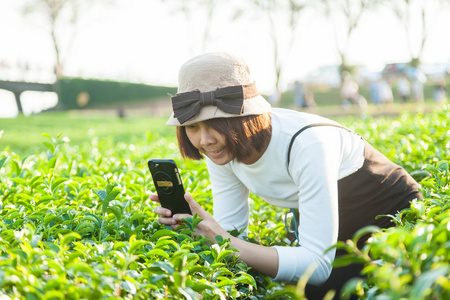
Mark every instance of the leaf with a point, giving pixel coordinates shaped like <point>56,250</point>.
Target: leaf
<point>2,161</point>
<point>137,216</point>
<point>93,218</point>
<point>426,281</point>
<point>135,245</point>
<point>50,146</point>
<point>48,218</point>
<point>223,254</point>
<point>52,163</point>
<point>99,161</point>
<point>163,266</point>
<point>157,277</point>
<point>84,227</point>
<point>246,279</point>
<point>159,252</point>
<point>116,211</point>
<point>223,281</point>
<point>47,135</point>
<point>68,238</point>
<point>161,233</point>
<point>81,267</point>
<point>347,259</point>
<point>111,196</point>
<point>102,194</point>
<point>162,243</point>
<point>19,181</point>
<point>201,286</point>
<point>363,231</point>
<point>52,246</point>
<point>188,293</point>
<point>57,182</point>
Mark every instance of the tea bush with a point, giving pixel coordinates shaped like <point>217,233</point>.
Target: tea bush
<point>76,223</point>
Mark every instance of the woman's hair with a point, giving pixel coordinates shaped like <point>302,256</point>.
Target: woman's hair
<point>242,135</point>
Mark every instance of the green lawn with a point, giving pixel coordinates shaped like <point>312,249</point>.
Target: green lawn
<point>23,135</point>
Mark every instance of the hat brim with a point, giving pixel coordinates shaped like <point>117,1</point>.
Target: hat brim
<point>253,106</point>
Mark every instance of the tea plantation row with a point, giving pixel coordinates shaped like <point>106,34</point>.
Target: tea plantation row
<point>76,223</point>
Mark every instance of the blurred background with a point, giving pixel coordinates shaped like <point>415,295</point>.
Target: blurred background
<point>123,56</point>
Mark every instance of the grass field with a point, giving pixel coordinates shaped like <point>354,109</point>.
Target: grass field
<point>23,135</point>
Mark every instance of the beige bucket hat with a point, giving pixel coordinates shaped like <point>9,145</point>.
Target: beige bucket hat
<point>215,85</point>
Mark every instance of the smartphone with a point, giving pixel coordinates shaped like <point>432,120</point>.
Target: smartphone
<point>169,185</point>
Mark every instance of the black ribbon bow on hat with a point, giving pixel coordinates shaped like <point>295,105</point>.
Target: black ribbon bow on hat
<point>229,99</point>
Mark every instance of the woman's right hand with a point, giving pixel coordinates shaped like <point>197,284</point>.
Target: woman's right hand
<point>165,215</point>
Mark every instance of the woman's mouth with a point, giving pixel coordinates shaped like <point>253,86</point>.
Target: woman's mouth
<point>215,153</point>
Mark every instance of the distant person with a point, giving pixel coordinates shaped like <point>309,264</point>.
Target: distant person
<point>417,81</point>
<point>121,112</point>
<point>385,91</point>
<point>403,88</point>
<point>83,99</point>
<point>326,174</point>
<point>350,93</point>
<point>302,97</point>
<point>299,94</point>
<point>275,97</point>
<point>349,89</point>
<point>309,99</point>
<point>374,91</point>
<point>417,91</point>
<point>439,92</point>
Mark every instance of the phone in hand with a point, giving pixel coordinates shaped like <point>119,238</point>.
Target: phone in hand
<point>168,185</point>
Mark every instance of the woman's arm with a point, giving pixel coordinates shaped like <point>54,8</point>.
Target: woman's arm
<point>262,259</point>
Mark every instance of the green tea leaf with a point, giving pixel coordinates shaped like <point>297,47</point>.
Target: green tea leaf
<point>57,182</point>
<point>111,196</point>
<point>160,233</point>
<point>2,161</point>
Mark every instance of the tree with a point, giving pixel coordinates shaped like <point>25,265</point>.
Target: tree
<point>349,14</point>
<point>281,15</point>
<point>417,17</point>
<point>208,9</point>
<point>60,18</point>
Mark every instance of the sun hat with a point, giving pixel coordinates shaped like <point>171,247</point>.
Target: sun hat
<point>215,85</point>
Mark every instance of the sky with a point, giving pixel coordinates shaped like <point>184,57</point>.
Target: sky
<point>147,41</point>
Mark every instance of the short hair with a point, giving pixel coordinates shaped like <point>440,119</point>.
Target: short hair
<point>242,135</point>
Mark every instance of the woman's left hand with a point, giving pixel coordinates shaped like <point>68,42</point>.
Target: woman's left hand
<point>262,259</point>
<point>208,227</point>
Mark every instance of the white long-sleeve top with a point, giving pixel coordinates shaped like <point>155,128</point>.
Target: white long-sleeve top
<point>320,156</point>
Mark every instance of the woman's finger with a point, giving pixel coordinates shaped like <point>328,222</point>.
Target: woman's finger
<point>179,217</point>
<point>195,207</point>
<point>154,198</point>
<point>163,211</point>
<point>167,221</point>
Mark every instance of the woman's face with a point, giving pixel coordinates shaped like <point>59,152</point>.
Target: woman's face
<point>209,142</point>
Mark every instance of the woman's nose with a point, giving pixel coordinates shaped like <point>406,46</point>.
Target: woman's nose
<point>206,138</point>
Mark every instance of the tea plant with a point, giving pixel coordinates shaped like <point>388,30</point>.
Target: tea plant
<point>76,222</point>
<point>411,260</point>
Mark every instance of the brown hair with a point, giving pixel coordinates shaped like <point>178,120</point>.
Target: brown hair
<point>242,135</point>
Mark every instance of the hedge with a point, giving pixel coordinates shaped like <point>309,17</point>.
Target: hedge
<point>76,93</point>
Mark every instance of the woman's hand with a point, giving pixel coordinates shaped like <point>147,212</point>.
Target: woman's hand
<point>165,214</point>
<point>208,227</point>
<point>262,259</point>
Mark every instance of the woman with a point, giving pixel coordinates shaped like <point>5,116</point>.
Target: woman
<point>336,180</point>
